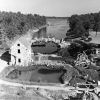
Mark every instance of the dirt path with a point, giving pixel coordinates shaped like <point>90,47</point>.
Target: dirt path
<point>36,86</point>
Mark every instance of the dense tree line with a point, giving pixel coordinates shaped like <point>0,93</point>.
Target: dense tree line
<point>53,17</point>
<point>12,24</point>
<point>81,24</point>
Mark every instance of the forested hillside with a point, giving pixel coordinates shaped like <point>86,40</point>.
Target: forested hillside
<point>81,24</point>
<point>13,24</point>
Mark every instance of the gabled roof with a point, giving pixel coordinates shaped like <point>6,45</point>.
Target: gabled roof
<point>24,39</point>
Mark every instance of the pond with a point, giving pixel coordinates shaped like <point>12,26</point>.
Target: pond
<point>38,75</point>
<point>48,76</point>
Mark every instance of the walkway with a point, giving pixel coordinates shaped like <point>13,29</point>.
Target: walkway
<point>69,88</point>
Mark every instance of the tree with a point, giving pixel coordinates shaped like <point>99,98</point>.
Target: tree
<point>63,52</point>
<point>15,24</point>
<point>74,49</point>
<point>97,22</point>
<point>80,25</point>
<point>76,26</point>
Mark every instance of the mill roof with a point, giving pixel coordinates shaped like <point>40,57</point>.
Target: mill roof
<point>24,39</point>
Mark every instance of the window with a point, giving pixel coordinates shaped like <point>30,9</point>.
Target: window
<point>18,50</point>
<point>18,44</point>
<point>19,60</point>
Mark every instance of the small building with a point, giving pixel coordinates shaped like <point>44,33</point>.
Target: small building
<point>21,51</point>
<point>6,56</point>
<point>98,51</point>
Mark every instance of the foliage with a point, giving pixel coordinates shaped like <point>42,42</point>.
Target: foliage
<point>76,47</point>
<point>63,52</point>
<point>81,24</point>
<point>13,24</point>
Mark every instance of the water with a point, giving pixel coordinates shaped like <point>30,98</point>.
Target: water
<point>38,75</point>
<point>46,76</point>
<point>57,28</point>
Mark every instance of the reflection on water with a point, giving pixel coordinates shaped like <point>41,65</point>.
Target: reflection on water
<point>44,75</point>
<point>48,71</point>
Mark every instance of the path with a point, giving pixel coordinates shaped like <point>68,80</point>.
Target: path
<point>36,86</point>
<point>3,65</point>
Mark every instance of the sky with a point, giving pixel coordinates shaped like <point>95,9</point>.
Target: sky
<point>59,8</point>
